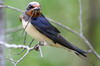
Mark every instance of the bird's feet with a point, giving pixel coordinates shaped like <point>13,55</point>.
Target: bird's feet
<point>41,43</point>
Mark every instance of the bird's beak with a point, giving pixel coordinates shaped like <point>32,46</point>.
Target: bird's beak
<point>37,8</point>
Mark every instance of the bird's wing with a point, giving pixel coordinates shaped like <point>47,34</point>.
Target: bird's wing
<point>43,26</point>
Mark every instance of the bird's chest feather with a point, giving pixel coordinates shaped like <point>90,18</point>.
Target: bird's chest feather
<point>33,32</point>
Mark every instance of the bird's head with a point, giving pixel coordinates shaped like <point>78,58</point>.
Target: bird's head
<point>33,9</point>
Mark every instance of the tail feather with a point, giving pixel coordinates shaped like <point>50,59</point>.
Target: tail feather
<point>83,53</point>
<point>68,45</point>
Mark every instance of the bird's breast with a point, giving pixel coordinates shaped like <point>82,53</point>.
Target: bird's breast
<point>33,32</point>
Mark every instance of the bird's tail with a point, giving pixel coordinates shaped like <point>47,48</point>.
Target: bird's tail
<point>68,45</point>
<point>80,52</point>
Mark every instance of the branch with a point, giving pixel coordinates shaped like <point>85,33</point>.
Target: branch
<point>21,47</point>
<point>91,47</point>
<point>81,33</point>
<point>11,60</point>
<point>65,27</point>
<point>12,30</point>
<point>80,18</point>
<point>13,8</point>
<point>22,57</point>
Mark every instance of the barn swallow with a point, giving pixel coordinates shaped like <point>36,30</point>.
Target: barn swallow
<point>38,27</point>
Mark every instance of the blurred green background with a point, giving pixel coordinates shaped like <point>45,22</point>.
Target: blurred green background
<point>67,13</point>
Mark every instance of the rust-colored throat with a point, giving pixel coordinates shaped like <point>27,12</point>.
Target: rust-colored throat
<point>33,13</point>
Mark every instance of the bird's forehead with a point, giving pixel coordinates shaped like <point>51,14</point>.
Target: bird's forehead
<point>35,4</point>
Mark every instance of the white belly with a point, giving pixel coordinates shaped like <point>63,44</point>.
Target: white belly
<point>33,32</point>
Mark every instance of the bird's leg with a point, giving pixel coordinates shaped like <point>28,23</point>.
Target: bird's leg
<point>38,47</point>
<point>41,43</point>
<point>25,38</point>
<point>31,42</point>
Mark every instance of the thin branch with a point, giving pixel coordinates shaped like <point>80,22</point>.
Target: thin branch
<point>11,60</point>
<point>65,27</point>
<point>13,8</point>
<point>21,58</point>
<point>10,57</point>
<point>80,18</point>
<point>12,30</point>
<point>91,47</point>
<point>81,33</point>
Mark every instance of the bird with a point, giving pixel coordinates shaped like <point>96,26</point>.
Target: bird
<point>38,27</point>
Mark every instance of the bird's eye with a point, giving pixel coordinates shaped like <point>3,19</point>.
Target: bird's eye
<point>30,7</point>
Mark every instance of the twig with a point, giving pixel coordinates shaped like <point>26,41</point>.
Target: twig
<point>81,33</point>
<point>11,60</point>
<point>91,47</point>
<point>21,58</point>
<point>80,18</point>
<point>65,27</point>
<point>13,8</point>
<point>10,57</point>
<point>12,30</point>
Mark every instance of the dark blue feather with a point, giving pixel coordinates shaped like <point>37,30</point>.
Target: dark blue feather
<point>44,24</point>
